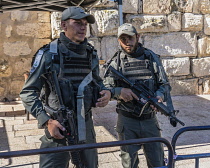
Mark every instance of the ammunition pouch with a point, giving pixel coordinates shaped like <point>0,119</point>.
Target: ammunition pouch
<point>91,94</point>
<point>67,93</point>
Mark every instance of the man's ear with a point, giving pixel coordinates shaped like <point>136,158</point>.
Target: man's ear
<point>63,25</point>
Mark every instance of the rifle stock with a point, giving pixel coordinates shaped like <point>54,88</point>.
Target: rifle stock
<point>142,92</point>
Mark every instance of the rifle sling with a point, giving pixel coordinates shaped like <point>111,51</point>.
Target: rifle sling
<point>80,108</point>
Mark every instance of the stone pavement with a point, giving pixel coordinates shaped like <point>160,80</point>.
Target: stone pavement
<point>16,133</point>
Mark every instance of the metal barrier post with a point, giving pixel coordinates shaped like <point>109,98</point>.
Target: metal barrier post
<point>91,146</point>
<point>193,156</point>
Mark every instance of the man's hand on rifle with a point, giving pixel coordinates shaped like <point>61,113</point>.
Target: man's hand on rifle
<point>104,100</point>
<point>127,95</point>
<point>160,100</point>
<point>54,128</point>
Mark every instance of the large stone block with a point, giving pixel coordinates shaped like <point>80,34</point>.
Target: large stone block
<point>43,17</point>
<point>184,5</point>
<point>131,6</point>
<point>44,30</point>
<point>16,48</point>
<point>8,31</point>
<point>207,24</point>
<point>97,45</point>
<point>107,22</point>
<point>192,22</point>
<point>15,87</point>
<point>25,64</point>
<point>0,26</point>
<point>157,6</point>
<point>174,21</point>
<point>204,6</point>
<point>38,43</point>
<point>38,30</point>
<point>201,67</point>
<point>105,4</point>
<point>56,24</point>
<point>206,86</point>
<point>148,23</point>
<point>172,44</point>
<point>177,66</point>
<point>28,29</point>
<point>5,69</point>
<point>19,15</point>
<point>184,86</point>
<point>109,45</point>
<point>204,46</point>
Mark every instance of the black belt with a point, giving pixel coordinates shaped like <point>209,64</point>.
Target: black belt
<point>142,117</point>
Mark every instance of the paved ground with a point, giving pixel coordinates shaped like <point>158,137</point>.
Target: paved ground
<point>16,133</point>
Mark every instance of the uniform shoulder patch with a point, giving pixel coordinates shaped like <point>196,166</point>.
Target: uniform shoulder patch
<point>37,60</point>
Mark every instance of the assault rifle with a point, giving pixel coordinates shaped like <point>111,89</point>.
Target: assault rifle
<point>66,118</point>
<point>143,92</point>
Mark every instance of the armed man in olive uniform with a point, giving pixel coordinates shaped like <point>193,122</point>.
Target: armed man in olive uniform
<point>141,66</point>
<point>75,63</point>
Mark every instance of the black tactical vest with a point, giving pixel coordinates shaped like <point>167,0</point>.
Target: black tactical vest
<point>139,69</point>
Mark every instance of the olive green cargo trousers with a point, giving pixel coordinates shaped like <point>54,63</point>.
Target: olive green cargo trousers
<point>131,128</point>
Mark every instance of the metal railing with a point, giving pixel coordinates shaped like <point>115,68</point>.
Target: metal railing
<point>190,156</point>
<point>91,146</point>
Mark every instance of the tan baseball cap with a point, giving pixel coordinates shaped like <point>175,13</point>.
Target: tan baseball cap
<point>126,28</point>
<point>75,12</point>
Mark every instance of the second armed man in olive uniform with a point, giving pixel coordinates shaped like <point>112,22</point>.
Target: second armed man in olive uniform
<point>141,66</point>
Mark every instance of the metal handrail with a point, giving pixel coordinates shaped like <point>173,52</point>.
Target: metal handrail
<point>91,146</point>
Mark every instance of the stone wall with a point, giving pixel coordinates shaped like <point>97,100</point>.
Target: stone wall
<point>22,33</point>
<point>178,30</point>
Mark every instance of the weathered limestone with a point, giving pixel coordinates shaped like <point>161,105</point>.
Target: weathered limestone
<point>157,6</point>
<point>43,17</point>
<point>97,45</point>
<point>109,46</point>
<point>8,31</point>
<point>184,86</point>
<point>201,67</point>
<point>5,69</point>
<point>38,43</point>
<point>16,48</point>
<point>132,6</point>
<point>184,5</point>
<point>207,24</point>
<point>177,66</point>
<point>148,23</point>
<point>25,65</point>
<point>192,22</point>
<point>172,44</point>
<point>16,87</point>
<point>55,24</point>
<point>19,16</point>
<point>106,22</point>
<point>204,46</point>
<point>174,21</point>
<point>206,86</point>
<point>41,30</point>
<point>205,6</point>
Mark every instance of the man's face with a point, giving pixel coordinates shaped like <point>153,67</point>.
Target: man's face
<point>128,43</point>
<point>75,30</point>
